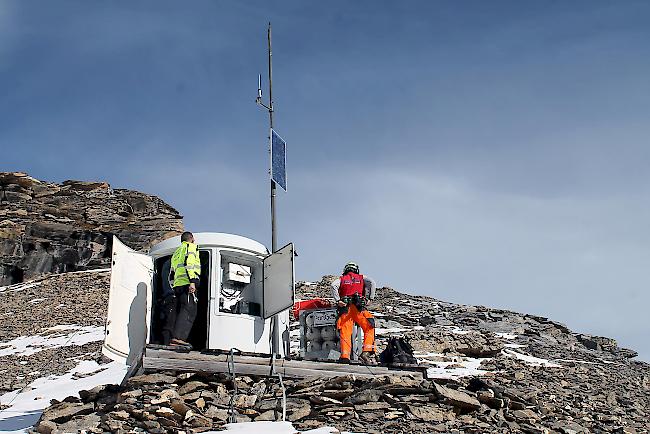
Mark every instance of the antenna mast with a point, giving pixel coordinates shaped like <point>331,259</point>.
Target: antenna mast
<point>275,334</point>
<point>269,108</point>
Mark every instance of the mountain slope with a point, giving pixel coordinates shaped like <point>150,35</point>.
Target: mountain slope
<point>491,371</point>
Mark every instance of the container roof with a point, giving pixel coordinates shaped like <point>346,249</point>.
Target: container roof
<point>212,239</point>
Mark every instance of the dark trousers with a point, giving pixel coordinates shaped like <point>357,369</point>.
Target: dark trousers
<point>180,312</point>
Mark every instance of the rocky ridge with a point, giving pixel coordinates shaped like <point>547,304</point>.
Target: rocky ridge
<point>491,370</point>
<point>53,228</point>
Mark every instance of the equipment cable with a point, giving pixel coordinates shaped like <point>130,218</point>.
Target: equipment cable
<point>284,390</point>
<point>231,370</point>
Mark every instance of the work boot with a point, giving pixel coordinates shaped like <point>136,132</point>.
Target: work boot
<point>344,360</point>
<point>180,343</point>
<point>368,358</point>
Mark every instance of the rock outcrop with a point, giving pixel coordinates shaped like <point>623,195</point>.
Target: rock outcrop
<point>53,228</point>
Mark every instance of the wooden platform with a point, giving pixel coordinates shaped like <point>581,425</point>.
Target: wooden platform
<point>194,361</point>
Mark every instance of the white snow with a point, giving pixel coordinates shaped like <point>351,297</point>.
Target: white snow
<point>26,285</point>
<point>531,360</point>
<point>25,408</point>
<point>36,300</point>
<point>27,345</point>
<point>457,330</point>
<point>450,367</point>
<point>382,331</point>
<point>506,335</point>
<point>514,345</point>
<point>606,362</point>
<point>269,427</point>
<point>19,286</point>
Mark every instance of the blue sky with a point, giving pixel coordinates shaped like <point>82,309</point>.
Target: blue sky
<point>489,153</point>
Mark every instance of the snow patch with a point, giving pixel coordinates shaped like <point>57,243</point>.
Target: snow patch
<point>602,361</point>
<point>269,427</point>
<point>36,300</point>
<point>531,360</point>
<point>514,346</point>
<point>28,345</point>
<point>445,367</point>
<point>457,330</point>
<point>506,335</point>
<point>25,408</point>
<point>27,285</point>
<point>19,287</point>
<point>388,331</point>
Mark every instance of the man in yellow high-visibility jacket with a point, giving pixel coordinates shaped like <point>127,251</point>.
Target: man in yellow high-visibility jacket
<point>180,307</point>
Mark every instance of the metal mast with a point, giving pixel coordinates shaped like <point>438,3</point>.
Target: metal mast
<point>274,233</point>
<point>269,108</point>
<point>275,335</point>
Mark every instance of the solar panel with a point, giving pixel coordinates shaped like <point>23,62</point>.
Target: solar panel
<point>278,160</point>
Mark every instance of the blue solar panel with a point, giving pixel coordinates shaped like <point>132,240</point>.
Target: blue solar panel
<point>278,160</point>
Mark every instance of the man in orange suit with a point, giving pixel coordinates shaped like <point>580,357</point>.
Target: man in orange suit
<point>351,291</point>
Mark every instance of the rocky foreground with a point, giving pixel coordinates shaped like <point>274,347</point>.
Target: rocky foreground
<point>491,371</point>
<point>53,228</point>
<point>50,324</point>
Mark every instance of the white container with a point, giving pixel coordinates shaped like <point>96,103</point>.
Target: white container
<point>139,281</point>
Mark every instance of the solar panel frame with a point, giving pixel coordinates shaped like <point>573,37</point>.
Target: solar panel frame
<point>278,160</point>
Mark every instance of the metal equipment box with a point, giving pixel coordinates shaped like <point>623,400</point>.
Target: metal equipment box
<point>319,337</point>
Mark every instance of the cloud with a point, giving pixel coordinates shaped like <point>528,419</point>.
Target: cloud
<point>578,260</point>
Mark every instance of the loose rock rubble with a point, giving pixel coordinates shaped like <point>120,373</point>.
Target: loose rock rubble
<point>52,228</point>
<point>64,303</point>
<point>535,376</point>
<point>164,402</point>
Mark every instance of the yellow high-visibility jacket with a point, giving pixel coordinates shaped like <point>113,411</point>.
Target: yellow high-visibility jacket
<point>186,264</point>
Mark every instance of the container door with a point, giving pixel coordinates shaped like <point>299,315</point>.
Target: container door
<point>129,304</point>
<point>278,281</point>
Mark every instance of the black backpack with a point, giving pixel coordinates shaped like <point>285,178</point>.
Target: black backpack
<point>398,350</point>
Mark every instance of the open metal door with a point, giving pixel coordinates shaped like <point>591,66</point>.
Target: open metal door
<point>278,282</point>
<point>129,304</point>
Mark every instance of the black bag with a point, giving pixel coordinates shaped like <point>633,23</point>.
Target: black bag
<point>399,350</point>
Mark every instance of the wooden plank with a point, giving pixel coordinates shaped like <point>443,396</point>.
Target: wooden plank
<point>299,364</point>
<point>240,369</point>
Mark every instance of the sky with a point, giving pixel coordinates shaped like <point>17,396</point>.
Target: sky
<point>490,153</point>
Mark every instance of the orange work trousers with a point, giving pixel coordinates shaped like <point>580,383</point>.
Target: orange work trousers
<point>345,324</point>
